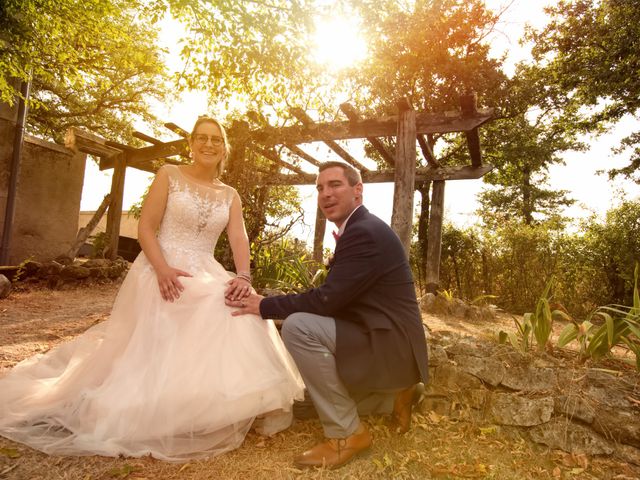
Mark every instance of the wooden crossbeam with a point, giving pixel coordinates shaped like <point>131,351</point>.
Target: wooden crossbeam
<point>422,174</point>
<point>469,107</point>
<point>302,154</point>
<point>153,152</point>
<point>354,117</point>
<point>426,123</point>
<point>147,138</point>
<point>119,146</point>
<point>307,121</point>
<point>275,158</point>
<point>176,129</point>
<point>85,142</point>
<point>427,151</point>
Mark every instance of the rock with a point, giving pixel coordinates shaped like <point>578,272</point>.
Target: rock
<point>570,437</point>
<point>528,379</point>
<point>427,301</point>
<point>575,407</point>
<point>511,409</point>
<point>618,424</point>
<point>5,286</point>
<point>628,454</point>
<point>474,313</point>
<point>97,262</point>
<point>454,380</point>
<point>64,260</point>
<point>437,355</point>
<point>49,268</point>
<point>459,308</point>
<point>489,370</point>
<point>75,272</point>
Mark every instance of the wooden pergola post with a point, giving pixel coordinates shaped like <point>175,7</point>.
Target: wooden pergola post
<point>238,137</point>
<point>114,214</point>
<point>318,235</point>
<point>434,237</point>
<point>405,173</point>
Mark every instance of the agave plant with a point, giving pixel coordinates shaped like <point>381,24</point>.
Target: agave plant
<point>535,325</point>
<point>286,267</point>
<point>620,325</point>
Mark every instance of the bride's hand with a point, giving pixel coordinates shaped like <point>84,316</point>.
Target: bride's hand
<point>170,285</point>
<point>238,288</point>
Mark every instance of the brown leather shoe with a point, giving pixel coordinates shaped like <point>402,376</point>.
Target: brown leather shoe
<point>402,405</point>
<point>335,452</point>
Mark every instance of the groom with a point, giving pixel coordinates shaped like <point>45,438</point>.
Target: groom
<point>359,335</point>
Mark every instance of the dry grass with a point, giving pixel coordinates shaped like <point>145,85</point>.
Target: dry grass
<point>436,447</point>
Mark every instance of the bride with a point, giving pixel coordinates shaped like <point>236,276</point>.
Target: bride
<point>171,373</point>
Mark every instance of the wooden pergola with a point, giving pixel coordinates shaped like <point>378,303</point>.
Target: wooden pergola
<point>408,127</point>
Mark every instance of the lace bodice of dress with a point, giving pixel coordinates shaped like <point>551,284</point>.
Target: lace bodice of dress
<point>195,215</point>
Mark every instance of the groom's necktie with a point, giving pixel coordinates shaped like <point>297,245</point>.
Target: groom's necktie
<point>336,235</point>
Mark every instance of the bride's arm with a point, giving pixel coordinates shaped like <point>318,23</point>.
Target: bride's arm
<point>239,242</point>
<point>152,212</point>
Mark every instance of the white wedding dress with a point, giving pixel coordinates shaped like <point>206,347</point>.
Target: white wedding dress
<point>175,380</point>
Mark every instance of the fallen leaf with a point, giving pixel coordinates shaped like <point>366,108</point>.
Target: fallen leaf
<point>557,472</point>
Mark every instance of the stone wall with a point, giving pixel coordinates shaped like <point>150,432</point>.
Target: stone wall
<point>549,399</point>
<point>48,194</point>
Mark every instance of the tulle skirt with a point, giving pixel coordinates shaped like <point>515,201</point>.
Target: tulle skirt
<point>174,380</point>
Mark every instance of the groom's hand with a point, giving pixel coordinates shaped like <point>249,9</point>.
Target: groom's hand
<point>246,305</point>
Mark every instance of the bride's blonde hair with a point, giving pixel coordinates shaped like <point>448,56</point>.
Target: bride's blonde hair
<point>227,148</point>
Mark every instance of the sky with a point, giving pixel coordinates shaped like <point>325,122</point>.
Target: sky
<point>594,193</point>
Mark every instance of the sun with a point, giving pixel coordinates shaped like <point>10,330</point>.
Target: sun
<point>339,43</point>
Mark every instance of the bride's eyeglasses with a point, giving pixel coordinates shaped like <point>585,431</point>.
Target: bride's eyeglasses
<point>201,139</point>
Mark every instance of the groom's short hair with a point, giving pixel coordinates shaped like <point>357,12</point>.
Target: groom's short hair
<point>353,176</point>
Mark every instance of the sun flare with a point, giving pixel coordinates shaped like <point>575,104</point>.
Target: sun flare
<point>339,43</point>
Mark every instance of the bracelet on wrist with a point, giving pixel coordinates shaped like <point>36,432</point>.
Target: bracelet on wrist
<point>244,276</point>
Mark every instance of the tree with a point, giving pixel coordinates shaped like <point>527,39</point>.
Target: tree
<point>94,64</point>
<point>591,51</point>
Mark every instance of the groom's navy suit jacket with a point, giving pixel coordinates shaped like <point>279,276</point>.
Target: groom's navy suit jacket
<point>380,340</point>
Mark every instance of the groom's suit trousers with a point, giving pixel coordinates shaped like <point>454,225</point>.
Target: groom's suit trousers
<point>311,341</point>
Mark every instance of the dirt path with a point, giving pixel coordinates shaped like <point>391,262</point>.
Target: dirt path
<point>33,321</point>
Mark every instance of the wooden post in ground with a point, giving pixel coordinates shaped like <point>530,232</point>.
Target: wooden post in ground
<point>405,172</point>
<point>114,215</point>
<point>84,232</point>
<point>318,235</point>
<point>434,237</point>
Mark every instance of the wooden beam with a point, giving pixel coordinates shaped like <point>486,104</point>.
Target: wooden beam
<point>85,142</point>
<point>307,121</point>
<point>354,117</point>
<point>302,154</point>
<point>84,232</point>
<point>154,152</point>
<point>427,151</point>
<point>176,129</point>
<point>434,237</point>
<point>318,235</point>
<point>405,172</point>
<point>147,138</point>
<point>466,172</point>
<point>469,108</point>
<point>114,214</point>
<point>426,123</point>
<point>275,158</point>
<point>473,142</point>
<point>119,146</point>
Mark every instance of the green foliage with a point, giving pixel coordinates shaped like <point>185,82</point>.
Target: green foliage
<point>510,261</point>
<point>618,324</point>
<point>591,52</point>
<point>94,64</point>
<point>535,325</point>
<point>287,266</point>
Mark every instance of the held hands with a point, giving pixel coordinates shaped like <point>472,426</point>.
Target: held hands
<point>170,285</point>
<point>245,305</point>
<point>239,287</point>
